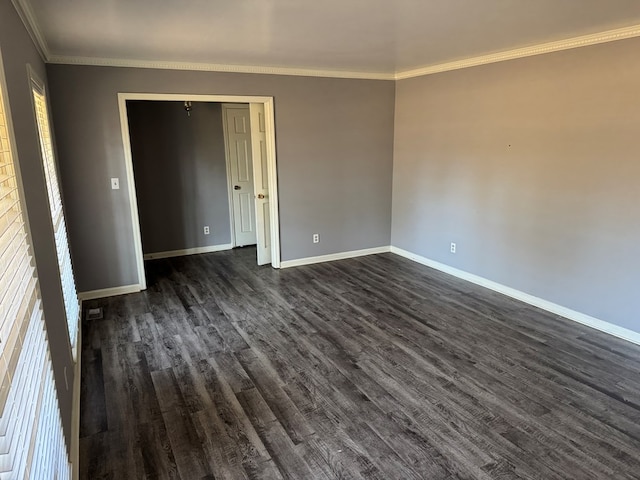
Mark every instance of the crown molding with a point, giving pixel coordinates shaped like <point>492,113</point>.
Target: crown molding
<point>570,43</point>
<point>216,67</point>
<point>28,17</point>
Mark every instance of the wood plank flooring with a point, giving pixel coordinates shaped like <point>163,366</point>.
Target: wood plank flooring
<point>367,368</point>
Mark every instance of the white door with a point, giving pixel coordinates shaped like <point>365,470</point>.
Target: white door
<point>261,182</point>
<point>238,137</point>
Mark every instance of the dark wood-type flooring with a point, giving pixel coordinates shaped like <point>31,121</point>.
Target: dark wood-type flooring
<point>367,368</point>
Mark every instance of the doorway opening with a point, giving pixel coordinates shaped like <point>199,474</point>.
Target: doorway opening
<point>255,155</point>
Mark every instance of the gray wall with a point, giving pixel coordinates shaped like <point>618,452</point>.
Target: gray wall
<point>180,174</point>
<point>334,142</point>
<point>531,166</point>
<point>18,51</point>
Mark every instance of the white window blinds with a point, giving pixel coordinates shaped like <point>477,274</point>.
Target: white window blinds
<point>32,444</point>
<point>71,303</point>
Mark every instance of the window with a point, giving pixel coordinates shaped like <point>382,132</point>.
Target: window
<point>69,293</point>
<point>32,442</point>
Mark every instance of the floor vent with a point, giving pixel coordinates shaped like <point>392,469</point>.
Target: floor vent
<point>94,314</point>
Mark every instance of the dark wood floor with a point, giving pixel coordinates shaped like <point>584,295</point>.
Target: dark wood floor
<point>368,368</point>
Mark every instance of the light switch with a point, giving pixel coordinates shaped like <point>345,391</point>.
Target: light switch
<point>115,184</point>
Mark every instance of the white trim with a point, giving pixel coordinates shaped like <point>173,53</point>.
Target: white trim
<point>74,350</point>
<point>29,19</point>
<point>225,133</point>
<point>188,251</point>
<point>74,455</point>
<point>109,292</point>
<point>582,318</point>
<point>37,85</point>
<point>333,256</point>
<point>218,67</point>
<point>181,97</point>
<point>569,43</point>
<point>274,213</point>
<point>566,44</point>
<point>131,186</point>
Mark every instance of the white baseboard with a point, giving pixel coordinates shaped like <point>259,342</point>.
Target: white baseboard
<point>74,451</point>
<point>109,292</point>
<point>333,256</point>
<point>582,318</point>
<point>188,251</point>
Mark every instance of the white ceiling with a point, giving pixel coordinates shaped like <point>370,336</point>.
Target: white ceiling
<point>371,36</point>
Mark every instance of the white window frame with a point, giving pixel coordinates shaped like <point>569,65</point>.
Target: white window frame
<point>58,219</point>
<point>32,441</point>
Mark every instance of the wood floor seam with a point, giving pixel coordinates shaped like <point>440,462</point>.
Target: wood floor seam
<point>366,368</point>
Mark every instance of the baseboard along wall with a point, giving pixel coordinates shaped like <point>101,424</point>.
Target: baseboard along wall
<point>333,256</point>
<point>579,317</point>
<point>109,292</point>
<point>188,251</point>
<point>565,312</point>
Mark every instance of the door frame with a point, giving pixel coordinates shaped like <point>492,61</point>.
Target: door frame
<point>176,97</point>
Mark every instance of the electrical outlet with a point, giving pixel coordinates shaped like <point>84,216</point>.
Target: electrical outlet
<point>206,230</point>
<point>316,238</point>
<point>115,184</point>
<point>453,247</point>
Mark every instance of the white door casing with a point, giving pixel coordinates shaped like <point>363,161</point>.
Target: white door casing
<point>239,157</point>
<point>130,191</point>
<point>261,182</point>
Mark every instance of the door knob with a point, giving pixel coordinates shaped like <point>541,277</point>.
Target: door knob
<point>261,196</point>
<point>236,187</point>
